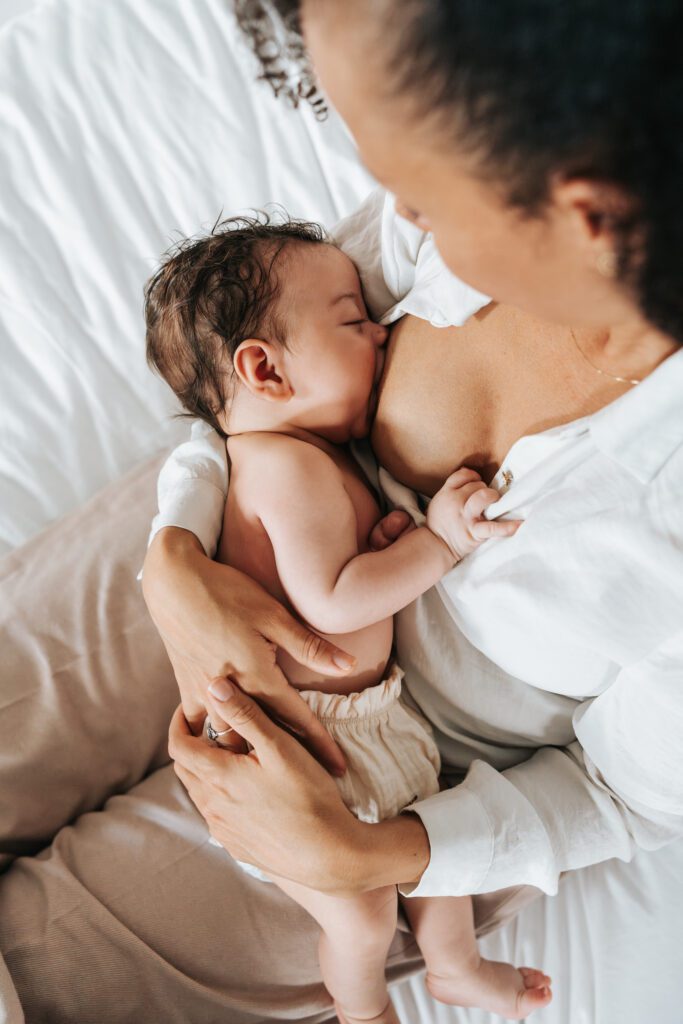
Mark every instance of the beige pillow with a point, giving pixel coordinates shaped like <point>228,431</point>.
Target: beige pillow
<point>86,689</point>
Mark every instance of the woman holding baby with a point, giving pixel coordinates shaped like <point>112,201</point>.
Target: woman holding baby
<point>546,167</point>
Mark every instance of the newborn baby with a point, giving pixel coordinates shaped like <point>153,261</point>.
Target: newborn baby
<point>261,329</point>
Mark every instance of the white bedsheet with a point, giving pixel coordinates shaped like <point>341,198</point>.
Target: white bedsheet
<point>122,122</point>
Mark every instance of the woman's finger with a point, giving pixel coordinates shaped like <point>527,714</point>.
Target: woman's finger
<point>189,780</point>
<point>193,752</point>
<point>387,531</point>
<point>247,718</point>
<point>229,740</point>
<point>243,715</point>
<point>188,676</point>
<point>285,703</point>
<point>307,647</point>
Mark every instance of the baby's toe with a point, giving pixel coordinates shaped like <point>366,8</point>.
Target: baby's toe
<point>531,999</point>
<point>534,978</point>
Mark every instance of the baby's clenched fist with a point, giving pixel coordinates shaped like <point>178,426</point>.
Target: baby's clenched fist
<point>456,513</point>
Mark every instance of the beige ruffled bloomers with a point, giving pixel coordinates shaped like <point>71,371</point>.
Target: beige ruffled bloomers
<point>392,759</point>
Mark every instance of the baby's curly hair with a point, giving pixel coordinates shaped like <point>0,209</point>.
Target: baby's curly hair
<point>208,295</point>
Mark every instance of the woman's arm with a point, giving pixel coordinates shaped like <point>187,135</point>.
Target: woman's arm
<point>213,620</point>
<point>618,788</point>
<point>278,789</point>
<point>561,810</point>
<point>216,622</point>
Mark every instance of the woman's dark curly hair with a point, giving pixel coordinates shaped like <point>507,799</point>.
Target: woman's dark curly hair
<point>208,296</point>
<point>535,88</point>
<point>274,32</point>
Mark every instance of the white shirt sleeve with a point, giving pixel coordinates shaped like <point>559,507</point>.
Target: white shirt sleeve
<point>192,487</point>
<point>401,273</point>
<point>617,789</point>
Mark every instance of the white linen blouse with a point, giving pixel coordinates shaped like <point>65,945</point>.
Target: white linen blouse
<point>549,663</point>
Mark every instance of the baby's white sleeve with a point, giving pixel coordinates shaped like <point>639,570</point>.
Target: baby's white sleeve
<point>193,486</point>
<point>400,267</point>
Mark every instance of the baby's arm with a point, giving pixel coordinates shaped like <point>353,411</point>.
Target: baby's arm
<point>298,494</point>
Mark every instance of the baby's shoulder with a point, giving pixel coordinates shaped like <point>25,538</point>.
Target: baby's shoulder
<point>274,461</point>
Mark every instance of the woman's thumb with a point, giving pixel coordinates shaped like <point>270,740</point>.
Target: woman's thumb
<point>309,649</point>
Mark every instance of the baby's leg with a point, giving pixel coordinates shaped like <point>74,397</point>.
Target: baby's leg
<point>457,974</point>
<point>355,940</point>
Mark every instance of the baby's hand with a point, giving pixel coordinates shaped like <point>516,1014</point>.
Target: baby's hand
<point>455,513</point>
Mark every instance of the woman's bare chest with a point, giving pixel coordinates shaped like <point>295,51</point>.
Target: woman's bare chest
<point>464,395</point>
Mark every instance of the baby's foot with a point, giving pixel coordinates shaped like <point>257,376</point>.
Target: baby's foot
<point>387,1016</point>
<point>496,987</point>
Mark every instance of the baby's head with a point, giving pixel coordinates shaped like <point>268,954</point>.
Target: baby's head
<point>263,326</point>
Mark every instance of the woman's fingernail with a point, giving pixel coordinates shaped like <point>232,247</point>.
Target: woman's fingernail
<point>341,660</point>
<point>222,689</point>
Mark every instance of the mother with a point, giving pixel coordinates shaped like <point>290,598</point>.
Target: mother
<point>548,176</point>
<point>541,151</point>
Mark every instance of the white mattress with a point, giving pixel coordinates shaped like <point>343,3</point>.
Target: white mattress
<point>126,121</point>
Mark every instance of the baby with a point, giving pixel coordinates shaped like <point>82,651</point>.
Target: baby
<point>261,329</point>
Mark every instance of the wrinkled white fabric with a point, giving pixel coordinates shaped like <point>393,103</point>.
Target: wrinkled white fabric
<point>193,486</point>
<point>400,266</point>
<point>125,125</point>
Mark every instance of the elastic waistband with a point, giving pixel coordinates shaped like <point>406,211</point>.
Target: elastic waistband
<point>366,704</point>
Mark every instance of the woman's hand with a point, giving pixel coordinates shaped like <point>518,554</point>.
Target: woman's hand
<point>274,807</point>
<point>216,622</point>
<point>278,809</point>
<point>390,527</point>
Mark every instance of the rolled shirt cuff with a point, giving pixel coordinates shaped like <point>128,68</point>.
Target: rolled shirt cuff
<point>485,834</point>
<point>459,870</point>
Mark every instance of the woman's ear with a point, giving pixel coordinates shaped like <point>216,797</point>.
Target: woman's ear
<point>260,368</point>
<point>596,213</point>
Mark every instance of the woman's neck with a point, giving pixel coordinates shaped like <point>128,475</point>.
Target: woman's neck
<point>627,350</point>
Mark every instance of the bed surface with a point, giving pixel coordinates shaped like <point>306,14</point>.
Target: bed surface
<point>123,124</point>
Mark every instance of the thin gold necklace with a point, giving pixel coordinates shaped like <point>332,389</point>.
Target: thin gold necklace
<point>603,373</point>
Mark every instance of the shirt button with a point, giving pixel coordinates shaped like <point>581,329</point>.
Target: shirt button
<point>507,477</point>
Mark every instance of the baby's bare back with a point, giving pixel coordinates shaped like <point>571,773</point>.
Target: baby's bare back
<point>246,545</point>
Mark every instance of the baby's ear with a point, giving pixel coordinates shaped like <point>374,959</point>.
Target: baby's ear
<point>260,368</point>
